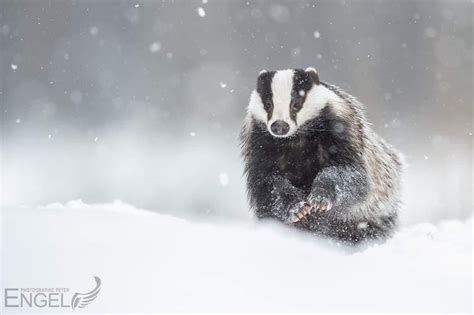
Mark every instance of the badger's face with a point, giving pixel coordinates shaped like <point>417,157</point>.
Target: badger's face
<point>284,100</point>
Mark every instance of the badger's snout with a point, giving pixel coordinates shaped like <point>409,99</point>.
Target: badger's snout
<point>280,128</point>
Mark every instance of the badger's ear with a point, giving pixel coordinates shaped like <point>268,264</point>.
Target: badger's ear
<point>264,80</point>
<point>313,74</point>
<point>261,74</point>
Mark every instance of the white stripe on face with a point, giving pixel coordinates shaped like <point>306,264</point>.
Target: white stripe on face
<point>256,107</point>
<point>316,99</point>
<point>282,85</point>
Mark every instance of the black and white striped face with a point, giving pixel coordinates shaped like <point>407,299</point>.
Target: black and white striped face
<point>286,99</point>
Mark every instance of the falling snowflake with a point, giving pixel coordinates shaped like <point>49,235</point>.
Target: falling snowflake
<point>316,34</point>
<point>201,12</point>
<point>223,179</point>
<point>296,51</point>
<point>223,85</point>
<point>362,225</point>
<point>192,134</point>
<point>14,67</point>
<point>94,30</point>
<point>154,47</point>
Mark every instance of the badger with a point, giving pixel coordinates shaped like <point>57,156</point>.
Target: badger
<point>313,161</point>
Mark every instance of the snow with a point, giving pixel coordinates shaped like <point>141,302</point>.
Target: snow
<point>317,34</point>
<point>155,262</point>
<point>14,66</point>
<point>154,47</point>
<point>223,179</point>
<point>201,12</point>
<point>94,30</point>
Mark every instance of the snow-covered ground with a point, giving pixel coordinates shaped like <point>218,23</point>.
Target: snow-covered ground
<point>156,262</point>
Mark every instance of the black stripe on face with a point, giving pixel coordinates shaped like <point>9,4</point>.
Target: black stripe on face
<point>264,89</point>
<point>302,83</point>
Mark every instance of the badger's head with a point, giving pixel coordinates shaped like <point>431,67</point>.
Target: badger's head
<point>284,100</point>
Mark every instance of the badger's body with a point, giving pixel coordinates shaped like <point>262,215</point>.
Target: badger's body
<point>312,159</point>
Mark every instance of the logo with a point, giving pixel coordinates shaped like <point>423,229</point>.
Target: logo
<point>80,300</point>
<point>50,297</point>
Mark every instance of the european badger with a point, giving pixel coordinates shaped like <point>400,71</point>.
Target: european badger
<point>313,161</point>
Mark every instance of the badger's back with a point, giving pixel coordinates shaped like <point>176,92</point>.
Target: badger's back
<point>384,164</point>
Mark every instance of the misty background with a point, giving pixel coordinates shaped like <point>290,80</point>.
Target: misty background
<point>143,101</point>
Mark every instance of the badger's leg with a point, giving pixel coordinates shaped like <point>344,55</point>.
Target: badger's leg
<point>355,231</point>
<point>288,202</point>
<point>275,196</point>
<point>338,187</point>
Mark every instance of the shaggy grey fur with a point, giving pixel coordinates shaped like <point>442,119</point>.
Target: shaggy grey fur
<point>334,158</point>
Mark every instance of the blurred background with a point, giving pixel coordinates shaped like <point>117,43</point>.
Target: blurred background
<point>143,101</point>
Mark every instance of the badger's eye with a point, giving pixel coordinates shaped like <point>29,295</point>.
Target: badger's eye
<point>296,105</point>
<point>267,105</point>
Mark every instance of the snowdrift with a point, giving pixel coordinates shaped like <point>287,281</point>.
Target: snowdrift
<point>153,262</point>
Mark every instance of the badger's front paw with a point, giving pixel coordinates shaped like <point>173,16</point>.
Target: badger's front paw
<point>320,203</point>
<point>299,211</point>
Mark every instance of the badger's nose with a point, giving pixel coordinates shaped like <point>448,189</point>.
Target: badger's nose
<point>280,128</point>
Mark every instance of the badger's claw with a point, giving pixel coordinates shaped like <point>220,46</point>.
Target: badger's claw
<point>299,212</point>
<point>320,204</point>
